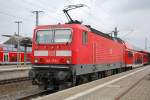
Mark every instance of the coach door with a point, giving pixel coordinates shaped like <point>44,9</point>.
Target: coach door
<point>5,57</point>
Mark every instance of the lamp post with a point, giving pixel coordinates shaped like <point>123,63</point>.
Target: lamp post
<point>37,16</point>
<point>18,45</point>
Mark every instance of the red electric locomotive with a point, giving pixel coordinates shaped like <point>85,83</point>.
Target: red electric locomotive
<point>70,54</point>
<point>69,50</point>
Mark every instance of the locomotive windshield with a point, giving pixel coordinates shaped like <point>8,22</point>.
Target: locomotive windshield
<point>53,36</point>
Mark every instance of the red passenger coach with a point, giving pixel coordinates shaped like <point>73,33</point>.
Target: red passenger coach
<point>8,55</point>
<point>138,59</point>
<point>146,57</point>
<point>135,58</point>
<point>129,56</point>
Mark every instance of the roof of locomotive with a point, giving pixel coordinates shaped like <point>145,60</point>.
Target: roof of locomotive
<point>100,33</point>
<point>58,26</point>
<point>84,27</point>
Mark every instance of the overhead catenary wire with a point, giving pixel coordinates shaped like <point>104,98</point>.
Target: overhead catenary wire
<point>94,16</point>
<point>33,4</point>
<point>28,9</point>
<point>13,16</point>
<point>44,8</point>
<point>52,11</point>
<point>19,11</point>
<point>127,34</point>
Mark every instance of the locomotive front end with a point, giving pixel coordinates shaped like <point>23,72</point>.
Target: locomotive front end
<point>53,46</point>
<point>52,56</point>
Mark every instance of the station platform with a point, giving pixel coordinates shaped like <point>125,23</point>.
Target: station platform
<point>141,91</point>
<point>13,67</point>
<point>12,71</point>
<point>130,85</point>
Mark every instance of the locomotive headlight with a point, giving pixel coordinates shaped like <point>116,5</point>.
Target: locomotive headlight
<point>68,61</point>
<point>35,60</point>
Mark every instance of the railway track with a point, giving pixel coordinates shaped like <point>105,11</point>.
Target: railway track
<point>27,97</point>
<point>18,93</point>
<point>24,94</point>
<point>14,80</point>
<point>35,95</point>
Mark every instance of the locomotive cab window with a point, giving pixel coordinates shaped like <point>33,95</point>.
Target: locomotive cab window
<point>84,38</point>
<point>54,36</point>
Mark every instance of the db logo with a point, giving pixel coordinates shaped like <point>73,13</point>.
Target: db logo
<point>52,53</point>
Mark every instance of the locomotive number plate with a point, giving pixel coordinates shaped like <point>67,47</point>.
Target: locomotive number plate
<point>52,53</point>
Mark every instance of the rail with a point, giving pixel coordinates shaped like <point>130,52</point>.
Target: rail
<point>14,80</point>
<point>34,96</point>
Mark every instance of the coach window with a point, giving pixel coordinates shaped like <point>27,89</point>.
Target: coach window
<point>130,54</point>
<point>84,38</point>
<point>5,57</point>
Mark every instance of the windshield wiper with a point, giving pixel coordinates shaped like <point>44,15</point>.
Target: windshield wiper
<point>69,40</point>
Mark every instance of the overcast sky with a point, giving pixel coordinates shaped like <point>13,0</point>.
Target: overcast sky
<point>130,16</point>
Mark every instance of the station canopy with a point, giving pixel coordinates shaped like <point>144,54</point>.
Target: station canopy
<point>23,41</point>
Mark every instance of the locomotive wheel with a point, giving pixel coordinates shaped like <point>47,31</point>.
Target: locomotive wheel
<point>82,79</point>
<point>114,71</point>
<point>120,70</point>
<point>100,75</point>
<point>103,74</point>
<point>74,80</point>
<point>107,73</point>
<point>94,76</point>
<point>42,87</point>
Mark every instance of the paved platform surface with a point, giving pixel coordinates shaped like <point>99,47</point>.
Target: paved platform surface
<point>115,87</point>
<point>141,91</point>
<point>13,67</point>
<point>12,71</point>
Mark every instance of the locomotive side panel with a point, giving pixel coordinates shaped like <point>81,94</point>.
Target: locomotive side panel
<point>98,54</point>
<point>98,50</point>
<point>83,47</point>
<point>108,51</point>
